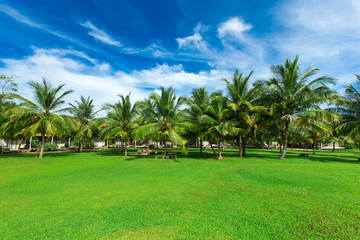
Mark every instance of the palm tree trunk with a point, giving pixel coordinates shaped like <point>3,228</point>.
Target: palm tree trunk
<point>285,137</point>
<point>30,143</point>
<point>314,146</point>
<point>164,155</point>
<point>148,145</point>
<point>219,147</point>
<point>333,150</point>
<point>240,146</point>
<point>212,148</point>
<point>201,147</point>
<point>243,148</point>
<point>81,146</point>
<point>42,146</point>
<point>125,148</point>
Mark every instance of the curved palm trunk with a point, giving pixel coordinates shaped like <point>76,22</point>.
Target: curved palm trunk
<point>240,145</point>
<point>212,148</point>
<point>42,146</point>
<point>219,147</point>
<point>201,147</point>
<point>148,145</point>
<point>314,145</point>
<point>285,141</point>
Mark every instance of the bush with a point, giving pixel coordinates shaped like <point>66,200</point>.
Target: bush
<point>50,146</point>
<point>88,145</point>
<point>259,145</point>
<point>36,142</point>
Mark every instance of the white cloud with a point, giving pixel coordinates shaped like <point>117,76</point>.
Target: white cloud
<point>245,53</point>
<point>323,33</point>
<point>194,42</point>
<point>234,27</point>
<point>98,81</point>
<point>100,35</point>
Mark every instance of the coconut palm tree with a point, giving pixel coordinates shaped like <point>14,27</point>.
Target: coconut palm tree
<point>315,128</point>
<point>40,116</point>
<point>242,98</point>
<point>120,120</point>
<point>165,118</point>
<point>217,119</point>
<point>198,103</point>
<point>290,93</point>
<point>84,120</point>
<point>351,111</point>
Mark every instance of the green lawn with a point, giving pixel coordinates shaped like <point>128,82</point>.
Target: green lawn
<point>102,195</point>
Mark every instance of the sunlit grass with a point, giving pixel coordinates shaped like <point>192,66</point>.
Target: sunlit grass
<point>108,196</point>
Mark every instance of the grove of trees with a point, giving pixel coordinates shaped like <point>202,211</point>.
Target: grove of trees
<point>290,108</point>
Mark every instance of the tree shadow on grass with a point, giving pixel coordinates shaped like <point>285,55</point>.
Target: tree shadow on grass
<point>36,154</point>
<point>325,157</point>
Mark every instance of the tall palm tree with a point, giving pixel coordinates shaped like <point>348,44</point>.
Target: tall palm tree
<point>84,116</point>
<point>120,120</point>
<point>241,97</point>
<point>351,112</point>
<point>165,118</point>
<point>41,115</point>
<point>289,93</point>
<point>217,119</point>
<point>198,103</point>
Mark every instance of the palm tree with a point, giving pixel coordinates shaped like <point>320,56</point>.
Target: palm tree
<point>198,102</point>
<point>241,97</point>
<point>164,118</point>
<point>84,116</point>
<point>290,93</point>
<point>351,112</point>
<point>41,115</point>
<point>217,119</point>
<point>314,127</point>
<point>120,120</point>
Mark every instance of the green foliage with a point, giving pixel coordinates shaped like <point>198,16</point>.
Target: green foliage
<point>163,117</point>
<point>290,93</point>
<point>50,146</point>
<point>351,111</point>
<point>7,87</point>
<point>35,142</point>
<point>85,127</point>
<point>38,116</point>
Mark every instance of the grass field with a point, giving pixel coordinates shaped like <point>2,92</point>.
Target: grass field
<point>102,195</point>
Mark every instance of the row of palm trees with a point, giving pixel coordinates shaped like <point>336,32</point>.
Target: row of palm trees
<point>286,108</point>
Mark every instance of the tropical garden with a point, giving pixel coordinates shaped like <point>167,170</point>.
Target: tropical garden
<point>247,182</point>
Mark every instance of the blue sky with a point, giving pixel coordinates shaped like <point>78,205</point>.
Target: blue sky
<point>103,48</point>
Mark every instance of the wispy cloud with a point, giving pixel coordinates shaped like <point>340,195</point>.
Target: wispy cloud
<point>238,50</point>
<point>11,12</point>
<point>100,35</point>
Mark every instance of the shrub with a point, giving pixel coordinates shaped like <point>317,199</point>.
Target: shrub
<point>50,146</point>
